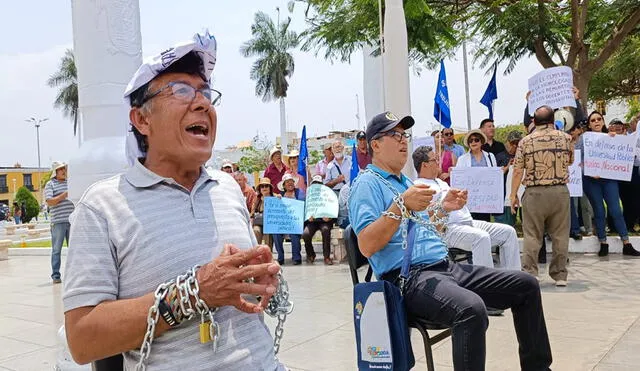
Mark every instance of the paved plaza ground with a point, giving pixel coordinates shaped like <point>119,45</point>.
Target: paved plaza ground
<point>594,323</point>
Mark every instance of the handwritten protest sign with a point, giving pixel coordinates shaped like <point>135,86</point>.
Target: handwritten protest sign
<point>609,157</point>
<point>322,202</point>
<point>283,215</point>
<point>424,141</point>
<point>485,186</point>
<point>575,176</point>
<point>521,189</point>
<point>552,87</point>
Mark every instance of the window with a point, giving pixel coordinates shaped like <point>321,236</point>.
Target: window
<point>26,180</point>
<point>3,184</point>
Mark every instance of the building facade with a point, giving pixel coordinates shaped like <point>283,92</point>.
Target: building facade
<point>12,178</point>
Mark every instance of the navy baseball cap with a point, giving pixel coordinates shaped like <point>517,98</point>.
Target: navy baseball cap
<point>361,135</point>
<point>386,121</point>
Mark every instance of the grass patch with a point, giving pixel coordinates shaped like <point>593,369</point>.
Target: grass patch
<point>44,243</point>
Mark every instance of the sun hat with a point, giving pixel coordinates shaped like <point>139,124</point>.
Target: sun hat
<point>273,151</point>
<point>317,179</point>
<point>284,179</point>
<point>265,181</point>
<point>470,133</point>
<point>55,166</point>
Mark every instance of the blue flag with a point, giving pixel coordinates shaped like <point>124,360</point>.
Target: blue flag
<point>441,108</point>
<point>355,169</point>
<point>491,93</point>
<point>304,155</point>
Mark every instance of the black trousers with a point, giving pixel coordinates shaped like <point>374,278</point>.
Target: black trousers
<point>457,295</point>
<point>630,197</point>
<point>310,228</point>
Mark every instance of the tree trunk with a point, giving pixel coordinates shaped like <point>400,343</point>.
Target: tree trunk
<point>284,143</point>
<point>581,81</point>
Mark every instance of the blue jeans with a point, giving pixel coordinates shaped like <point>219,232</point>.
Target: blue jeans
<point>296,246</point>
<point>59,232</point>
<point>575,219</point>
<point>17,219</point>
<point>599,190</point>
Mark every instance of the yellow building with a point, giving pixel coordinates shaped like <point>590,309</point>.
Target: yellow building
<point>12,178</point>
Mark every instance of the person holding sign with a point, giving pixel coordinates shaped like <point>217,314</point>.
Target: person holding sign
<point>456,295</point>
<point>601,190</point>
<point>312,226</point>
<point>288,188</point>
<point>477,157</point>
<point>545,155</point>
<point>462,231</point>
<point>265,189</point>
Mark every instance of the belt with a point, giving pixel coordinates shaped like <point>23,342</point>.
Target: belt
<point>545,185</point>
<point>393,275</point>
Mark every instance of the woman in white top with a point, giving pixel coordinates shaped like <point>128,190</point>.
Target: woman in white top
<point>476,157</point>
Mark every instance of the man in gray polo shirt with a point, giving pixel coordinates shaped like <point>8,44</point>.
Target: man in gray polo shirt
<point>136,237</point>
<point>55,194</point>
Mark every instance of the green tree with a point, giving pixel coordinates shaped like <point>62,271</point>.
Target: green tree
<point>634,108</point>
<point>315,156</point>
<point>24,196</point>
<point>619,78</point>
<point>66,80</point>
<point>256,157</point>
<point>581,34</point>
<point>272,43</point>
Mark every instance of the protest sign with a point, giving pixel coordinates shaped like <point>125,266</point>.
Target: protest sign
<point>485,186</point>
<point>609,157</point>
<point>424,141</point>
<point>552,87</point>
<point>322,202</point>
<point>521,189</point>
<point>575,176</point>
<point>283,215</point>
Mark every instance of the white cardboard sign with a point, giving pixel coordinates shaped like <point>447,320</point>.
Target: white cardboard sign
<point>552,87</point>
<point>485,186</point>
<point>609,157</point>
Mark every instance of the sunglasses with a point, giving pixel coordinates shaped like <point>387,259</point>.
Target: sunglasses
<point>475,140</point>
<point>597,119</point>
<point>448,134</point>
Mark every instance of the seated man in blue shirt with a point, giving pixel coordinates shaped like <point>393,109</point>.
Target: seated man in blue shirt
<point>437,290</point>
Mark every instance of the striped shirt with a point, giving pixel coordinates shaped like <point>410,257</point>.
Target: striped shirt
<point>60,212</point>
<point>136,230</point>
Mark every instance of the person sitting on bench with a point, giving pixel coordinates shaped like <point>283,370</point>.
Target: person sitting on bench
<point>439,291</point>
<point>463,232</point>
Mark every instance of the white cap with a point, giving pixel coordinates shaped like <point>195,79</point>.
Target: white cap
<point>205,47</point>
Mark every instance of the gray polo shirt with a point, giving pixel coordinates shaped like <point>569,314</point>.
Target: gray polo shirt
<point>131,232</point>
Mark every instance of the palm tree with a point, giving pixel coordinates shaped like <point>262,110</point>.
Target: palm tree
<point>272,43</point>
<point>66,79</point>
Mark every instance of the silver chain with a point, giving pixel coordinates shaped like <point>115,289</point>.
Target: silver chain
<point>415,217</point>
<point>279,306</point>
<point>152,320</point>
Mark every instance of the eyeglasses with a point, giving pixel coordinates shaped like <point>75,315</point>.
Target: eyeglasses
<point>448,134</point>
<point>514,143</point>
<point>395,135</point>
<point>187,93</point>
<point>474,140</point>
<point>596,119</point>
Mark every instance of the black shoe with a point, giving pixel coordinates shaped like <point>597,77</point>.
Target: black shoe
<point>297,262</point>
<point>494,312</point>
<point>281,262</point>
<point>576,236</point>
<point>627,249</point>
<point>604,249</point>
<point>542,257</point>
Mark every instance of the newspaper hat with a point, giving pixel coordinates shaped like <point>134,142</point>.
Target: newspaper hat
<point>204,46</point>
<point>563,119</point>
<point>284,179</point>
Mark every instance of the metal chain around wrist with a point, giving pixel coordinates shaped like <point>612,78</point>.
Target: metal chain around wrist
<point>152,319</point>
<point>279,307</point>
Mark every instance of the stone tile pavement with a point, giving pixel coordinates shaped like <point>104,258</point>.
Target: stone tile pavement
<point>593,323</point>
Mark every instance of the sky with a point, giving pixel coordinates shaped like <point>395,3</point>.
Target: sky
<point>322,94</point>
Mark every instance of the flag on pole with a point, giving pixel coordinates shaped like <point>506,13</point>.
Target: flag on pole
<point>304,155</point>
<point>355,169</point>
<point>441,108</point>
<point>491,94</point>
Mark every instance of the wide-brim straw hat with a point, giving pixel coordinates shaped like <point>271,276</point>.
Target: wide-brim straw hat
<point>55,166</point>
<point>284,179</point>
<point>265,181</point>
<point>274,150</point>
<point>470,133</point>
